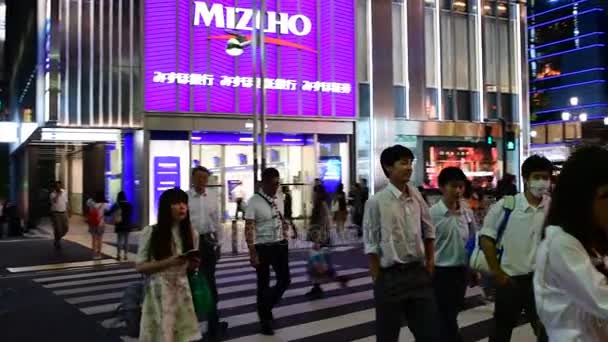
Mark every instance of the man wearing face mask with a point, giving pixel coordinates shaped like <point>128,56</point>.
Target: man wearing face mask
<point>511,259</point>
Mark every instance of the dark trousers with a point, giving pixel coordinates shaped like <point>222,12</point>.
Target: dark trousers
<point>450,284</point>
<point>209,258</point>
<point>275,255</point>
<point>60,225</point>
<point>511,300</point>
<point>239,208</point>
<point>405,292</point>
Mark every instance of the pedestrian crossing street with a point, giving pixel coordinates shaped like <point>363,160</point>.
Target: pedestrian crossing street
<point>345,314</point>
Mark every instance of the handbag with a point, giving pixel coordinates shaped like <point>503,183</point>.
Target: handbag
<point>201,294</point>
<point>477,259</point>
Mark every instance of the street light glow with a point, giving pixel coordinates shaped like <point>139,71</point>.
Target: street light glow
<point>582,117</point>
<point>533,134</point>
<point>566,116</point>
<point>574,101</point>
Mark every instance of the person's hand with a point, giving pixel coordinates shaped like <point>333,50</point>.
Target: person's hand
<point>474,279</point>
<point>502,279</point>
<point>177,260</point>
<point>193,263</point>
<point>254,260</point>
<point>374,272</point>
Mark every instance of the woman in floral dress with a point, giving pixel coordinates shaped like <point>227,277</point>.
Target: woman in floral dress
<point>168,311</point>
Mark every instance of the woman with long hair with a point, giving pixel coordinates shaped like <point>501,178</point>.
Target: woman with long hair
<point>121,213</point>
<point>570,282</point>
<point>339,210</point>
<point>320,221</point>
<point>96,207</point>
<point>166,253</point>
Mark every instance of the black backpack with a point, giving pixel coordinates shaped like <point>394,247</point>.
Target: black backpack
<point>129,310</point>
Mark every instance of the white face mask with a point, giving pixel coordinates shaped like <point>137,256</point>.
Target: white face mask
<point>539,187</point>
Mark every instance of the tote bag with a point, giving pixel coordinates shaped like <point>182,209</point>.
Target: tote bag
<point>477,259</point>
<point>201,294</point>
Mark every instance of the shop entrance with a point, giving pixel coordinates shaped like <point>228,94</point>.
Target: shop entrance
<point>229,156</point>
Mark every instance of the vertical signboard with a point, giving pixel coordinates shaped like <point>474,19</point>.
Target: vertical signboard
<point>166,176</point>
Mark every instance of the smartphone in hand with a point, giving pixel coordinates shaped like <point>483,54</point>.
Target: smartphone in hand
<point>190,253</point>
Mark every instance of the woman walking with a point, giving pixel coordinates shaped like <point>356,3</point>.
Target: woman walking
<point>121,213</point>
<point>166,253</point>
<point>339,210</point>
<point>95,218</point>
<point>570,282</point>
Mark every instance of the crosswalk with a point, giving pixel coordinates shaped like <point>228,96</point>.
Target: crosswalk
<point>344,314</point>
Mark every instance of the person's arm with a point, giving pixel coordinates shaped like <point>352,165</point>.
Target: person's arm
<point>577,276</point>
<point>250,233</point>
<point>487,242</point>
<point>428,234</point>
<point>372,236</point>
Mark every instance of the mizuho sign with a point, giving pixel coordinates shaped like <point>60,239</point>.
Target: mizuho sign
<point>237,18</point>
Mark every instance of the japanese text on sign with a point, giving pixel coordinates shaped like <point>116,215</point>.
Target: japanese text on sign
<point>248,82</point>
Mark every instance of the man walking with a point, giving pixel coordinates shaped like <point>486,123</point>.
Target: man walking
<point>266,236</point>
<point>511,257</point>
<point>59,213</point>
<point>205,219</point>
<point>454,223</point>
<point>399,241</point>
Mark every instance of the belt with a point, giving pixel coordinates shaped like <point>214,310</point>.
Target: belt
<point>58,212</point>
<point>274,243</point>
<point>403,267</point>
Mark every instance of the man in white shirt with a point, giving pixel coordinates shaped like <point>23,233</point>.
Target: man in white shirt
<point>513,268</point>
<point>59,213</point>
<point>454,224</point>
<point>399,241</point>
<point>266,236</point>
<point>205,219</point>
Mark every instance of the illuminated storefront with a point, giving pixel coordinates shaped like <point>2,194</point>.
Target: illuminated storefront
<point>200,92</point>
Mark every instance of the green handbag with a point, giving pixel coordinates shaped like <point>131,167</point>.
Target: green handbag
<point>201,294</point>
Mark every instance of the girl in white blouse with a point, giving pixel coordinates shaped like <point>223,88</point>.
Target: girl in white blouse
<point>571,283</point>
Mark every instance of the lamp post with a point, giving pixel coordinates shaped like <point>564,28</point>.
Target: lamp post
<point>262,81</point>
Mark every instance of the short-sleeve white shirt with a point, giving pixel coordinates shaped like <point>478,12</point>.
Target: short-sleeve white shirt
<point>522,234</point>
<point>268,224</point>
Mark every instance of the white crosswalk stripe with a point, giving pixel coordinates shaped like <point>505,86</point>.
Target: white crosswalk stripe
<point>343,314</point>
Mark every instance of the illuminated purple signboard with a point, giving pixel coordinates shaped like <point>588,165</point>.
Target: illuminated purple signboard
<point>310,57</point>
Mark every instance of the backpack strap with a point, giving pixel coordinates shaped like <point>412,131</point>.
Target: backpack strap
<point>508,206</point>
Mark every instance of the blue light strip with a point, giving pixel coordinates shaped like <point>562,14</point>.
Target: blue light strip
<point>556,9</point>
<point>565,18</point>
<point>590,118</point>
<point>568,74</point>
<point>565,40</point>
<point>572,85</point>
<point>567,51</point>
<point>571,108</point>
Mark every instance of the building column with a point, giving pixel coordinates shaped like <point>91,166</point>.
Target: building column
<point>382,109</point>
<point>93,170</point>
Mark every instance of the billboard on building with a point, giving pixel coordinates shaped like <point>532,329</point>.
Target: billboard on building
<point>198,57</point>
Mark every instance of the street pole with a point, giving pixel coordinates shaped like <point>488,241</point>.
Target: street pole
<point>262,80</point>
<point>503,125</point>
<point>254,45</point>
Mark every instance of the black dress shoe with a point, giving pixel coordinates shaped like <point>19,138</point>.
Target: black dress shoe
<point>222,328</point>
<point>266,328</point>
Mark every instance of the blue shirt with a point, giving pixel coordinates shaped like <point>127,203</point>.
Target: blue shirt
<point>452,231</point>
